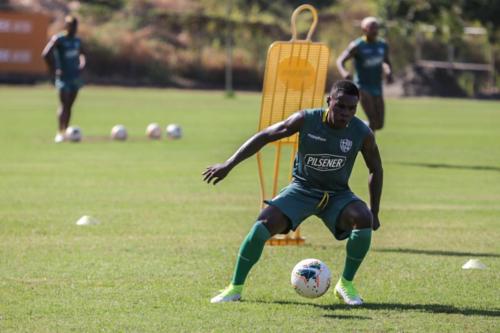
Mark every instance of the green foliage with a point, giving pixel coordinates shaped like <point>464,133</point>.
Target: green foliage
<point>112,4</point>
<point>438,25</point>
<point>167,242</point>
<point>279,8</point>
<point>485,11</point>
<point>184,41</point>
<point>100,10</point>
<point>444,13</point>
<point>414,10</point>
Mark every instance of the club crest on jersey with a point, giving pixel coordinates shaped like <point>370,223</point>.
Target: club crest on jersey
<point>324,162</point>
<point>345,145</point>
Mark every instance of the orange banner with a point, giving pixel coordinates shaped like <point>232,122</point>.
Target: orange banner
<point>22,39</point>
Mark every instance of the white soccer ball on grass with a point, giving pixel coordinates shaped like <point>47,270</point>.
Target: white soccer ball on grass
<point>153,131</point>
<point>311,278</point>
<point>73,134</point>
<point>119,132</point>
<point>174,131</point>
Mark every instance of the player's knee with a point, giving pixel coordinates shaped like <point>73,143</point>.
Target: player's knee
<point>360,217</point>
<point>274,220</point>
<point>378,122</point>
<point>277,226</point>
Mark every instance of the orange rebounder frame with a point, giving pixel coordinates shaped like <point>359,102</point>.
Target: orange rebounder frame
<point>294,79</point>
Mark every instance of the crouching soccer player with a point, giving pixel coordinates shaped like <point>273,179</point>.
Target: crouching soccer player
<point>329,141</point>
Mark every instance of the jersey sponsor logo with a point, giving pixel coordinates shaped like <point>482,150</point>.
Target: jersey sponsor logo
<point>345,145</point>
<point>372,62</point>
<point>71,54</point>
<point>315,137</point>
<point>324,162</point>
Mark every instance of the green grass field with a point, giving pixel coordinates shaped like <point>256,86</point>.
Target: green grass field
<point>167,242</point>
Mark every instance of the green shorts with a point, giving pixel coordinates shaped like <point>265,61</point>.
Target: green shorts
<point>298,202</point>
<point>68,84</point>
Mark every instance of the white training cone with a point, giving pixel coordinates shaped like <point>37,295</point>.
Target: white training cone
<point>87,220</point>
<point>474,264</point>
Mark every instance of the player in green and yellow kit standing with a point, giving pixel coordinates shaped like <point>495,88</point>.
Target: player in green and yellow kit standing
<point>329,141</point>
<point>65,58</point>
<point>370,54</point>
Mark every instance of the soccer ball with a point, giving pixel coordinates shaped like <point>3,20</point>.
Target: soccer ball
<point>73,134</point>
<point>119,132</point>
<point>174,131</point>
<point>153,131</point>
<point>311,278</point>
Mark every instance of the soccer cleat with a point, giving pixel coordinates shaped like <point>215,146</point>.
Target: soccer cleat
<point>346,292</point>
<point>232,293</point>
<point>59,138</point>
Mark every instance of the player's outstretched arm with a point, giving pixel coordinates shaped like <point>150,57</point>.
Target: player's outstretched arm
<point>374,163</point>
<point>344,56</point>
<point>48,56</point>
<point>285,128</point>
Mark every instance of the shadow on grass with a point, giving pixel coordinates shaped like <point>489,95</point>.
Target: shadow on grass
<point>451,166</point>
<point>324,307</point>
<point>429,308</point>
<point>439,253</point>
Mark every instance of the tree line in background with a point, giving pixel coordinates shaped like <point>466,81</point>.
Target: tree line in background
<point>182,43</point>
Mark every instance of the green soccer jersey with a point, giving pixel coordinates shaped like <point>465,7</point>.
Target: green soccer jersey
<point>368,61</point>
<point>67,56</point>
<point>325,155</point>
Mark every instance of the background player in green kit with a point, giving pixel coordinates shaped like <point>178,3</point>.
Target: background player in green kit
<point>370,53</point>
<point>65,58</point>
<point>329,141</point>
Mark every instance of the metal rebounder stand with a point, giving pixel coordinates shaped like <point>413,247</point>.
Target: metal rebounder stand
<point>294,79</point>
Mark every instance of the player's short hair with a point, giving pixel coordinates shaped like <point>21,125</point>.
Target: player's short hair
<point>369,20</point>
<point>344,86</point>
<point>69,19</point>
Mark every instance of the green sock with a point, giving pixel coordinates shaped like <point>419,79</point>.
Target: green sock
<point>250,251</point>
<point>356,249</point>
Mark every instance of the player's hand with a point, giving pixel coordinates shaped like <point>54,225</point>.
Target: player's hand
<point>376,222</point>
<point>390,79</point>
<point>215,173</point>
